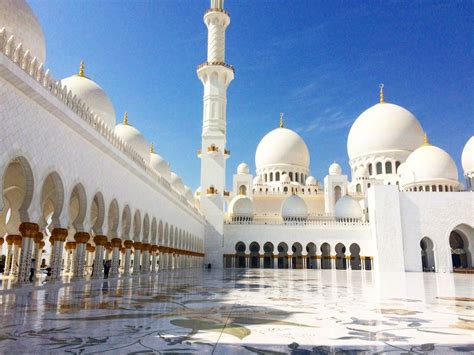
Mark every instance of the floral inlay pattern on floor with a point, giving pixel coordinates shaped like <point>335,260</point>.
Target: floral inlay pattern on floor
<point>249,311</point>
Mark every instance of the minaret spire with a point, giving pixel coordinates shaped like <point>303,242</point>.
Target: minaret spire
<point>81,69</point>
<point>281,120</point>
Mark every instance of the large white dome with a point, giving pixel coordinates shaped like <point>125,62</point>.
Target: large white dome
<point>241,206</point>
<point>347,207</point>
<point>428,164</point>
<point>282,146</point>
<point>93,95</point>
<point>133,137</point>
<point>384,127</point>
<point>294,207</point>
<point>19,20</point>
<point>467,157</point>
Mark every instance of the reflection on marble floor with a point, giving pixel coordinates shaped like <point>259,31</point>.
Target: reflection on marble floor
<point>247,311</point>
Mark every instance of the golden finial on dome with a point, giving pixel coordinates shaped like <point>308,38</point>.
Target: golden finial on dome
<point>382,97</point>
<point>81,69</point>
<point>152,148</point>
<point>281,120</point>
<point>425,139</point>
<point>125,118</point>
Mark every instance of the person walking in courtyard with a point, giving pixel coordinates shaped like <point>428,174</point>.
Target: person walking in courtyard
<point>32,270</point>
<point>107,266</point>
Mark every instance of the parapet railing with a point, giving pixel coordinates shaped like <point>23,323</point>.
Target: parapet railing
<point>31,66</point>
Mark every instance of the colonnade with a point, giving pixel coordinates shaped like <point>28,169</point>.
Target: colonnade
<point>86,256</point>
<point>277,261</point>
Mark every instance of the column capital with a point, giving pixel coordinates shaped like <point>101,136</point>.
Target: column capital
<point>116,242</point>
<point>70,245</point>
<point>81,237</point>
<point>28,229</point>
<point>38,237</point>
<point>9,238</point>
<point>137,245</point>
<point>90,248</point>
<point>59,234</point>
<point>100,239</point>
<point>17,240</point>
<point>128,244</point>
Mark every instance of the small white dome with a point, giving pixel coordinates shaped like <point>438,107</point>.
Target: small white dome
<point>467,157</point>
<point>285,179</point>
<point>294,207</point>
<point>177,183</point>
<point>133,137</point>
<point>20,21</point>
<point>311,181</point>
<point>384,127</point>
<point>428,164</point>
<point>361,171</point>
<point>335,169</point>
<point>257,180</point>
<point>243,169</point>
<point>188,193</point>
<point>93,95</point>
<point>241,206</point>
<point>282,146</point>
<point>347,207</point>
<point>160,165</point>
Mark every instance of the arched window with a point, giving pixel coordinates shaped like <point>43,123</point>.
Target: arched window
<point>291,176</point>
<point>388,167</point>
<point>370,169</point>
<point>440,188</point>
<point>446,188</point>
<point>285,189</point>
<point>427,188</point>
<point>337,193</point>
<point>415,189</point>
<point>297,177</point>
<point>243,190</point>
<point>397,164</point>
<point>302,178</point>
<point>358,188</point>
<point>271,176</point>
<point>368,185</point>
<point>379,168</point>
<point>277,176</point>
<point>433,188</point>
<point>265,177</point>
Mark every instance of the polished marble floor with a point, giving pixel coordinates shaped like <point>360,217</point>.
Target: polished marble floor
<point>246,312</point>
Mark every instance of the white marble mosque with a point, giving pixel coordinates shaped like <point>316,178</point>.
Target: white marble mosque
<point>379,258</point>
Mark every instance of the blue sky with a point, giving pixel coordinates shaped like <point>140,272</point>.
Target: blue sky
<point>319,62</point>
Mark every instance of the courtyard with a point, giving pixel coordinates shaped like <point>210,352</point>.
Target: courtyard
<point>254,311</point>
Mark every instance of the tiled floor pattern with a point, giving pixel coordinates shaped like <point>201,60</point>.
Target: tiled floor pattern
<point>245,311</point>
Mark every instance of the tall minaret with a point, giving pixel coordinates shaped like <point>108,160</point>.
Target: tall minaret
<point>216,76</point>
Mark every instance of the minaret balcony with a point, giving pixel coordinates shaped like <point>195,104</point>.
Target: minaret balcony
<point>212,190</point>
<point>225,65</point>
<point>216,10</point>
<point>213,149</point>
<point>226,193</point>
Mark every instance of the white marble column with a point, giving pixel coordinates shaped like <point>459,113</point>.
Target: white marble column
<point>126,264</point>
<point>362,262</point>
<point>9,259</point>
<point>98,265</point>
<point>16,255</point>
<point>333,261</point>
<point>79,261</point>
<point>136,257</point>
<point>58,236</point>
<point>318,260</point>
<point>28,231</point>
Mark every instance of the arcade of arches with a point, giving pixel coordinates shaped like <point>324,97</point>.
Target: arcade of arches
<point>461,246</point>
<point>298,256</point>
<point>58,239</point>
